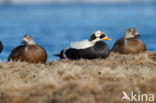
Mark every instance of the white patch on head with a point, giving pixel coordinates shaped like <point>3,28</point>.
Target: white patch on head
<point>30,42</point>
<point>81,44</point>
<point>98,33</point>
<point>129,35</point>
<point>25,39</point>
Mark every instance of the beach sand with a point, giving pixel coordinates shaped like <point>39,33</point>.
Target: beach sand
<point>81,81</point>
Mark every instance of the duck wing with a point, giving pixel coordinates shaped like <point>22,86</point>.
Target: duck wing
<point>81,44</point>
<point>99,50</point>
<point>118,44</point>
<point>16,53</point>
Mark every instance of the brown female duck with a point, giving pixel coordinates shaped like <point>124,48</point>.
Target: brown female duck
<point>28,52</point>
<point>130,44</point>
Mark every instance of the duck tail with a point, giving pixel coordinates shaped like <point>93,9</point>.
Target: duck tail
<point>57,55</point>
<point>60,55</point>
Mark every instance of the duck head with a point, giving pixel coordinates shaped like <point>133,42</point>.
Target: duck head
<point>131,33</point>
<point>27,40</point>
<point>98,36</point>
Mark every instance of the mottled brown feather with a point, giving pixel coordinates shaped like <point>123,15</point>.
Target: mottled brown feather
<point>29,53</point>
<point>129,46</point>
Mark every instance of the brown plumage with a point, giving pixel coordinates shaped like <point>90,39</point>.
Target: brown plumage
<point>29,52</point>
<point>130,44</point>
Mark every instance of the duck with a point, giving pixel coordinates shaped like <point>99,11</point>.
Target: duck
<point>28,51</point>
<point>1,46</point>
<point>87,49</point>
<point>130,44</point>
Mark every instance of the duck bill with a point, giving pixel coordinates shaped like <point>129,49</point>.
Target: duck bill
<point>138,35</point>
<point>106,38</point>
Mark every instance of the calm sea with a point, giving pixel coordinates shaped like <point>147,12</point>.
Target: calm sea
<point>55,26</point>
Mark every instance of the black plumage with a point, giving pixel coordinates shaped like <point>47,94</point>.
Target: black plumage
<point>99,50</point>
<point>1,47</point>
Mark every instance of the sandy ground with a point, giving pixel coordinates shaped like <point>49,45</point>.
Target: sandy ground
<point>82,81</point>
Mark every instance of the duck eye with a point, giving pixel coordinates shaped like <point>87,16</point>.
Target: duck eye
<point>102,36</point>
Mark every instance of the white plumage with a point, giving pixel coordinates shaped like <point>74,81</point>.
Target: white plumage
<point>82,44</point>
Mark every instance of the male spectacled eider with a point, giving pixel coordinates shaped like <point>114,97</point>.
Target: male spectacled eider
<point>28,52</point>
<point>1,47</point>
<point>87,49</point>
<point>130,44</point>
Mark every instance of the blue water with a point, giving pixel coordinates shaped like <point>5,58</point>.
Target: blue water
<point>55,26</point>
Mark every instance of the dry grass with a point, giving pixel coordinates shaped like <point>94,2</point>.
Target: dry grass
<point>83,81</point>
